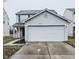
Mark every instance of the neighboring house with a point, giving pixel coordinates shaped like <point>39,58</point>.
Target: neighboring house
<point>5,23</point>
<point>41,25</point>
<point>70,14</point>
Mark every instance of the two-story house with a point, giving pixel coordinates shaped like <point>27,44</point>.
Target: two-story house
<point>40,25</point>
<point>70,14</point>
<point>5,23</point>
<point>21,16</point>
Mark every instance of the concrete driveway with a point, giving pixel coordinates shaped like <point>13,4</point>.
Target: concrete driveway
<point>54,50</point>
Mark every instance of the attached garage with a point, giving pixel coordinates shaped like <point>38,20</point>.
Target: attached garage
<point>46,26</point>
<point>46,33</point>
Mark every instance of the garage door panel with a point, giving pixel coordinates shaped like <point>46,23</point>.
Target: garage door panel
<point>46,33</point>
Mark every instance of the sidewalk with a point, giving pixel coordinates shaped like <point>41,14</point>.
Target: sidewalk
<point>12,42</point>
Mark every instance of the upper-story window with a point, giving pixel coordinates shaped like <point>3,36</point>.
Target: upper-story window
<point>28,16</point>
<point>23,18</point>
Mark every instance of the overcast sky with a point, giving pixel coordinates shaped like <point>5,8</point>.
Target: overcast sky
<point>13,6</point>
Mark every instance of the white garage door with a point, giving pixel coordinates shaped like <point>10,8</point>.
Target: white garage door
<point>53,33</point>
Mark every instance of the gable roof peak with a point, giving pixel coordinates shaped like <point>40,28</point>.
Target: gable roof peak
<point>46,8</point>
<point>26,12</point>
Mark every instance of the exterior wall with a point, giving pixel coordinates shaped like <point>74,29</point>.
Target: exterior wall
<point>70,29</point>
<point>31,15</point>
<point>23,18</point>
<point>5,24</point>
<point>18,33</point>
<point>17,18</point>
<point>69,14</point>
<point>14,33</point>
<point>46,19</point>
<point>73,17</point>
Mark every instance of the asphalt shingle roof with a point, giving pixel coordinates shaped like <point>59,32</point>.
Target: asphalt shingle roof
<point>71,9</point>
<point>23,12</point>
<point>18,24</point>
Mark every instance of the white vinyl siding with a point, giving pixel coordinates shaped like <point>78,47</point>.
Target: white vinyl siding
<point>23,18</point>
<point>52,33</point>
<point>69,14</point>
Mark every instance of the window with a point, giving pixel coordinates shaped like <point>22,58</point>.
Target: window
<point>3,22</point>
<point>28,16</point>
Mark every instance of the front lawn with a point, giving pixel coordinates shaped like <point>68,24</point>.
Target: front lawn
<point>71,41</point>
<point>7,39</point>
<point>8,51</point>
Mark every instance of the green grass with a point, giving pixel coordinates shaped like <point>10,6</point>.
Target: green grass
<point>71,41</point>
<point>8,51</point>
<point>7,39</point>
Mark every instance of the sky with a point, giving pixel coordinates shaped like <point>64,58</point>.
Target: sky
<point>13,6</point>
